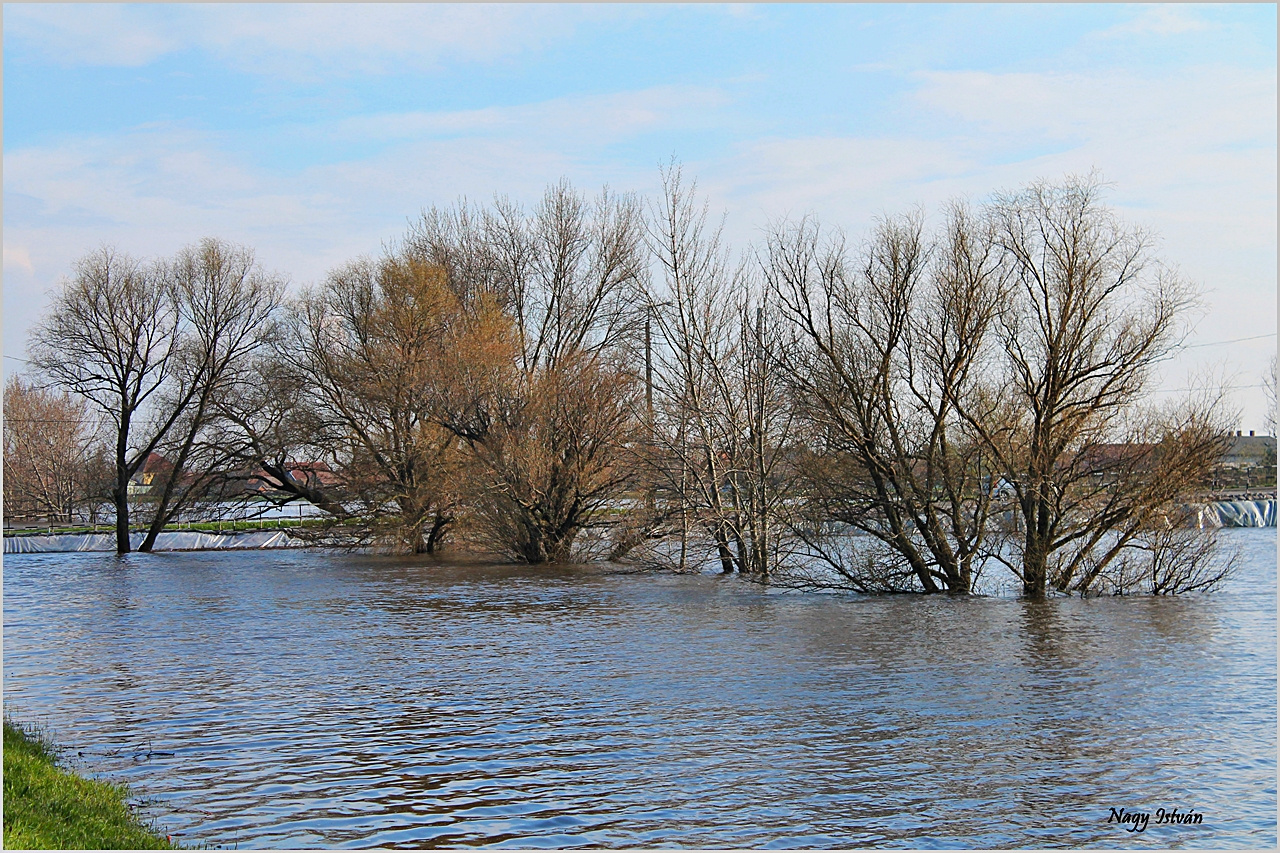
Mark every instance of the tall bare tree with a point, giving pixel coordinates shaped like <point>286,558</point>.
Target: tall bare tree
<point>370,347</point>
<point>552,457</point>
<point>111,336</point>
<point>885,354</point>
<point>1091,312</point>
<point>722,417</point>
<point>227,306</point>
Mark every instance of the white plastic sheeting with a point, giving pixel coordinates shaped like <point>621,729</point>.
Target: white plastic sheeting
<point>176,541</point>
<point>1239,514</point>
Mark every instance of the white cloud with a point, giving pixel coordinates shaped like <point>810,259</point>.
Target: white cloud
<point>1201,106</point>
<point>320,40</point>
<point>575,121</point>
<point>158,188</point>
<point>845,181</point>
<point>1194,152</point>
<point>89,33</point>
<point>18,258</point>
<point>1161,20</point>
<point>297,41</point>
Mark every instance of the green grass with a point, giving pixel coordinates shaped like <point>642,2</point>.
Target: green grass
<point>46,808</point>
<point>241,526</point>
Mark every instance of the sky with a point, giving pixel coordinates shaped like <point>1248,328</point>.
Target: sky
<point>316,133</point>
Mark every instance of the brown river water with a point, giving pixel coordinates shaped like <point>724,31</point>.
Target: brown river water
<point>304,699</point>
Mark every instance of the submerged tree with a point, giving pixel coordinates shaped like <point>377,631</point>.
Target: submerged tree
<point>369,349</point>
<point>227,306</point>
<point>550,435</point>
<point>1091,312</point>
<point>150,347</point>
<point>111,337</point>
<point>885,354</point>
<point>551,458</point>
<point>723,422</point>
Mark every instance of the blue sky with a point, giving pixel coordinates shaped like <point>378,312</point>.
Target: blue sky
<point>313,133</point>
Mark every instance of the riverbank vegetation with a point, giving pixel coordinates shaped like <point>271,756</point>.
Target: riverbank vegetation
<point>604,378</point>
<point>48,808</point>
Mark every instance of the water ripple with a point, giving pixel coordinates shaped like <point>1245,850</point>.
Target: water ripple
<point>308,700</point>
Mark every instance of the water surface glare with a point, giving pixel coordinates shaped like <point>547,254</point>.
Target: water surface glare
<point>300,699</point>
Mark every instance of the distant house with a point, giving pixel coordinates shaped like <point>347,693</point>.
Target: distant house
<point>1250,451</point>
<point>155,469</point>
<point>1247,469</point>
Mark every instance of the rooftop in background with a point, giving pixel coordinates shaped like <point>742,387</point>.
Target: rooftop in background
<point>1250,449</point>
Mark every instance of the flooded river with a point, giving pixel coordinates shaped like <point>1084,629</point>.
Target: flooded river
<point>298,699</point>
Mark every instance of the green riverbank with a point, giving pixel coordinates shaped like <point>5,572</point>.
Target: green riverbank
<point>48,808</point>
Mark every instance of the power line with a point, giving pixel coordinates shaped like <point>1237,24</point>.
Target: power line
<point>1224,388</point>
<point>43,421</point>
<point>1232,341</point>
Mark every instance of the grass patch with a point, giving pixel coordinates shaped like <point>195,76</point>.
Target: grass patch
<point>239,526</point>
<point>245,525</point>
<point>47,808</point>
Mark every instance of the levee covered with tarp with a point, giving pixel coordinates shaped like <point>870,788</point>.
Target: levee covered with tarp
<point>1258,513</point>
<point>1238,514</point>
<point>172,541</point>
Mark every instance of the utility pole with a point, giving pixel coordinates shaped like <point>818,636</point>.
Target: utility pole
<point>651,494</point>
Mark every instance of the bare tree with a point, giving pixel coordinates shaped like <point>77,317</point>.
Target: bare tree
<point>227,305</point>
<point>1182,560</point>
<point>111,337</point>
<point>884,357</point>
<point>722,419</point>
<point>1269,393</point>
<point>51,459</point>
<point>1090,313</point>
<point>554,459</point>
<point>1170,560</point>
<point>274,437</point>
<point>1121,498</point>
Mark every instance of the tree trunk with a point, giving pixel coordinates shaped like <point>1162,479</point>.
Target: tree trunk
<point>163,513</point>
<point>722,547</point>
<point>559,541</point>
<point>1035,554</point>
<point>436,536</point>
<point>420,543</point>
<point>927,582</point>
<point>1035,564</point>
<point>120,496</point>
<point>149,541</point>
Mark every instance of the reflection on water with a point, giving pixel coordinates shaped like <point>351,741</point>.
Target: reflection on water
<point>301,700</point>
